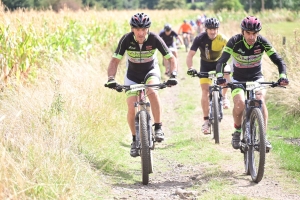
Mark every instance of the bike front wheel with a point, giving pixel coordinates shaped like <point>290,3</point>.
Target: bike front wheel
<point>216,114</point>
<point>244,147</point>
<point>145,148</point>
<point>257,149</point>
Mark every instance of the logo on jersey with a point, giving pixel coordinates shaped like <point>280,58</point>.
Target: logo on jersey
<point>257,51</point>
<point>148,47</point>
<point>241,51</point>
<point>130,47</point>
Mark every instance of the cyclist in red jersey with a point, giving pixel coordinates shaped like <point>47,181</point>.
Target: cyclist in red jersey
<point>246,50</point>
<point>186,28</point>
<point>140,46</point>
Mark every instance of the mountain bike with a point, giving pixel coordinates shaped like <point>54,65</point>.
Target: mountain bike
<point>253,129</point>
<point>145,140</point>
<point>215,103</point>
<point>186,42</point>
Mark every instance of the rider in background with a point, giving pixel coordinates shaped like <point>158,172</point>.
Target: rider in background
<point>187,29</point>
<point>140,46</point>
<point>211,44</point>
<point>168,36</point>
<point>246,50</point>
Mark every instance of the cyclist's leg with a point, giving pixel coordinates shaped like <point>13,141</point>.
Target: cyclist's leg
<point>261,95</point>
<point>153,77</point>
<point>205,82</point>
<point>238,98</point>
<point>131,98</point>
<point>226,102</point>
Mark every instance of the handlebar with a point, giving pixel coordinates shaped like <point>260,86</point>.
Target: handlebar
<point>137,87</point>
<point>272,84</point>
<point>201,74</point>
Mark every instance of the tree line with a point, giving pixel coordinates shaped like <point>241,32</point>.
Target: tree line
<point>253,5</point>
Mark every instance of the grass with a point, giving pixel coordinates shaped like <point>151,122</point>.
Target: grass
<point>282,131</point>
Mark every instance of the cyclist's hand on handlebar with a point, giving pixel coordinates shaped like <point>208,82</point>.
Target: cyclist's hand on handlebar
<point>111,83</point>
<point>172,81</point>
<point>221,81</point>
<point>283,81</point>
<point>191,72</point>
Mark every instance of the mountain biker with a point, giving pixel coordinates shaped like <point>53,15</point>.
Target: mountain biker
<point>186,28</point>
<point>211,44</point>
<point>168,36</point>
<point>246,50</point>
<point>142,67</point>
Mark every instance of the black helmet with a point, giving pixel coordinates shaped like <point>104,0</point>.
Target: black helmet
<point>212,23</point>
<point>251,23</point>
<point>167,27</point>
<point>140,20</point>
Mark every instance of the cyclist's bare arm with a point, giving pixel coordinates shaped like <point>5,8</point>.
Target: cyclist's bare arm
<point>180,40</point>
<point>112,67</point>
<point>189,59</point>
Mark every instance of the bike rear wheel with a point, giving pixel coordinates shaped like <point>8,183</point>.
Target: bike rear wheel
<point>145,148</point>
<point>257,149</point>
<point>216,114</point>
<point>186,43</point>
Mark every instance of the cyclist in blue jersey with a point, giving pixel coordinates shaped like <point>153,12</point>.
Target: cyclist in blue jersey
<point>169,36</point>
<point>246,50</point>
<point>211,44</point>
<point>141,46</point>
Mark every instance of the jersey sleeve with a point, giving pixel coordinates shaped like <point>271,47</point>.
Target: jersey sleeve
<point>120,51</point>
<point>228,49</point>
<point>273,55</point>
<point>162,47</point>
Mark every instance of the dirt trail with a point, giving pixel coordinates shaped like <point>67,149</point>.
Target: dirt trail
<point>181,180</point>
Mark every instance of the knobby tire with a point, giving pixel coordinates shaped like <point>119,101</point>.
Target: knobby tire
<point>145,150</point>
<point>186,43</point>
<point>216,114</point>
<point>257,131</point>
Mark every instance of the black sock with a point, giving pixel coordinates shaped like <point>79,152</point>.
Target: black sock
<point>133,138</point>
<point>157,126</point>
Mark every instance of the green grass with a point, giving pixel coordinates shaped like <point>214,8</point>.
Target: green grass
<point>282,130</point>
<point>286,29</point>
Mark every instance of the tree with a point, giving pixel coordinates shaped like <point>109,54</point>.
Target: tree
<point>15,4</point>
<point>227,4</point>
<point>170,4</point>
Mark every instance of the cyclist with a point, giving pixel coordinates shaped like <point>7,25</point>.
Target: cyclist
<point>211,44</point>
<point>186,28</point>
<point>246,50</point>
<point>142,67</point>
<point>168,36</point>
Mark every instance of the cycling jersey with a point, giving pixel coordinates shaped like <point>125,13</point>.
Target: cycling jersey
<point>169,39</point>
<point>247,59</point>
<point>186,28</point>
<point>210,50</point>
<point>141,58</point>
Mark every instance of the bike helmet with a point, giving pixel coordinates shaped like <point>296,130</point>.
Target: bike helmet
<point>212,23</point>
<point>251,23</point>
<point>140,20</point>
<point>167,27</point>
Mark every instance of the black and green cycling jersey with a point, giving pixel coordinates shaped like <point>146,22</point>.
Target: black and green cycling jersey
<point>141,58</point>
<point>247,60</point>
